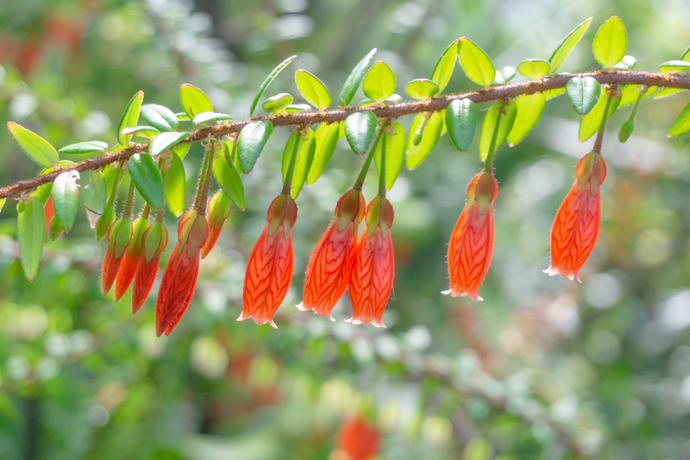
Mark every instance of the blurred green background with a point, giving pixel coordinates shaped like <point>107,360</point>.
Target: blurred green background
<point>544,368</point>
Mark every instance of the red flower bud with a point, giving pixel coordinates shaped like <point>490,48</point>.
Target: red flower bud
<point>328,271</point>
<point>576,226</point>
<point>119,236</point>
<point>358,439</point>
<point>371,278</point>
<point>472,241</point>
<point>133,254</point>
<point>269,268</point>
<point>155,242</point>
<point>218,212</point>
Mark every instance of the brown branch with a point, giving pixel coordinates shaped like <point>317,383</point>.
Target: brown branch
<point>619,78</point>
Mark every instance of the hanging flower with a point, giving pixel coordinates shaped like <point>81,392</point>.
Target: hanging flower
<point>180,275</point>
<point>357,439</point>
<point>371,278</point>
<point>155,242</point>
<point>218,212</point>
<point>119,236</point>
<point>576,226</point>
<point>472,241</point>
<point>130,261</point>
<point>269,268</point>
<point>328,271</point>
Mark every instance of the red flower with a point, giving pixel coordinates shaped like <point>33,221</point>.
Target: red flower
<point>130,261</point>
<point>49,211</point>
<point>472,241</point>
<point>155,242</point>
<point>358,439</point>
<point>269,268</point>
<point>119,236</point>
<point>371,279</point>
<point>328,271</point>
<point>218,212</point>
<point>576,226</point>
<point>179,279</point>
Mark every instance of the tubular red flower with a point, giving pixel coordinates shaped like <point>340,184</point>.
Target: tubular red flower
<point>269,268</point>
<point>130,261</point>
<point>576,226</point>
<point>472,241</point>
<point>373,269</point>
<point>180,275</point>
<point>358,439</point>
<point>328,271</point>
<point>119,236</point>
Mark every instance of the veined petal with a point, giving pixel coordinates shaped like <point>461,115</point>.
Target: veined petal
<point>143,281</point>
<point>176,290</point>
<point>111,266</point>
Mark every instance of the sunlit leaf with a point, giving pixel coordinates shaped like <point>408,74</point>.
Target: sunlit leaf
<point>174,182</point>
<point>81,148</point>
<point>355,79</point>
<point>326,136</point>
<point>147,132</point>
<point>567,45</point>
<point>359,131</point>
<point>130,117</point>
<point>534,68</point>
<point>379,82</point>
<point>476,63</point>
<point>251,142</point>
<point>194,100</point>
<point>274,73</point>
<point>529,110</point>
<point>681,125</point>
<point>312,89</point>
<point>31,230</point>
<point>589,124</point>
<point>552,93</point>
<point>443,69</point>
<point>426,140</point>
<point>627,63</point>
<point>610,42</point>
<point>228,177</point>
<point>160,117</point>
<point>583,93</point>
<point>674,66</point>
<point>277,103</point>
<point>303,162</point>
<point>461,122</point>
<point>394,145</point>
<point>421,88</point>
<point>165,141</point>
<point>210,117</point>
<point>504,126</point>
<point>147,178</point>
<point>37,148</point>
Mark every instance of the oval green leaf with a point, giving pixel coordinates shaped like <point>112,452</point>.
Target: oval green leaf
<point>297,108</point>
<point>251,142</point>
<point>417,152</point>
<point>228,177</point>
<point>422,88</point>
<point>589,124</point>
<point>443,69</point>
<point>567,45</point>
<point>355,79</point>
<point>681,125</point>
<point>81,148</point>
<point>160,117</point>
<point>210,117</point>
<point>147,178</point>
<point>504,126</point>
<point>476,63</point>
<point>95,196</point>
<point>182,149</point>
<point>379,82</point>
<point>130,118</point>
<point>174,182</point>
<point>194,101</point>
<point>326,136</point>
<point>31,230</point>
<point>529,110</point>
<point>534,68</point>
<point>147,132</point>
<point>610,42</point>
<point>277,103</point>
<point>394,145</point>
<point>461,122</point>
<point>165,141</point>
<point>36,148</point>
<point>312,89</point>
<point>583,93</point>
<point>359,130</point>
<point>674,66</point>
<point>66,198</point>
<point>274,73</point>
<point>303,162</point>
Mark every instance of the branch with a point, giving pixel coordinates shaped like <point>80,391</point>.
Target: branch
<point>619,78</point>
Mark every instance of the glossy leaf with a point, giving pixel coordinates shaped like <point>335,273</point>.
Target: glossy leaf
<point>583,93</point>
<point>326,136</point>
<point>427,139</point>
<point>228,177</point>
<point>610,42</point>
<point>627,63</point>
<point>421,88</point>
<point>66,198</point>
<point>504,127</point>
<point>379,82</point>
<point>165,141</point>
<point>194,100</point>
<point>274,73</point>
<point>312,89</point>
<point>251,142</point>
<point>95,196</point>
<point>204,118</point>
<point>36,148</point>
<point>461,122</point>
<point>31,230</point>
<point>303,162</point>
<point>147,178</point>
<point>148,132</point>
<point>395,153</point>
<point>359,131</point>
<point>681,125</point>
<point>529,110</point>
<point>355,79</point>
<point>81,148</point>
<point>589,124</point>
<point>476,63</point>
<point>130,117</point>
<point>626,131</point>
<point>674,66</point>
<point>277,103</point>
<point>534,68</point>
<point>174,182</point>
<point>567,45</point>
<point>297,108</point>
<point>160,117</point>
<point>443,69</point>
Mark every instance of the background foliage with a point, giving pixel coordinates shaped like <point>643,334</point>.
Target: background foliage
<point>543,368</point>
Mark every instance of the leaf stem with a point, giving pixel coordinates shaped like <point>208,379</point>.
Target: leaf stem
<point>367,163</point>
<point>287,185</point>
<point>602,127</point>
<point>382,175</point>
<point>113,190</point>
<point>204,179</point>
<point>489,162</point>
<point>129,204</point>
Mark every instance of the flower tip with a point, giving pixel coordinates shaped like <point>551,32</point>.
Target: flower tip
<point>242,317</point>
<point>378,323</point>
<point>453,293</point>
<point>300,306</point>
<point>272,323</point>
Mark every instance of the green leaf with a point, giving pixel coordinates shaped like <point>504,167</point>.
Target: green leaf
<point>2,203</point>
<point>421,88</point>
<point>504,127</point>
<point>31,230</point>
<point>665,92</point>
<point>194,101</point>
<point>359,131</point>
<point>81,148</point>
<point>629,94</point>
<point>37,148</point>
<point>274,73</point>
<point>165,141</point>
<point>443,69</point>
<point>181,150</point>
<point>355,79</point>
<point>303,162</point>
<point>589,124</point>
<point>610,42</point>
<point>567,45</point>
<point>626,131</point>
<point>476,63</point>
<point>551,93</point>
<point>681,125</point>
<point>312,89</point>
<point>297,108</point>
<point>160,117</point>
<point>529,110</point>
<point>583,93</point>
<point>379,82</point>
<point>461,122</point>
<point>147,178</point>
<point>674,66</point>
<point>393,99</point>
<point>417,152</point>
<point>508,73</point>
<point>66,198</point>
<point>395,153</point>
<point>534,68</point>
<point>326,138</point>
<point>174,182</point>
<point>210,117</point>
<point>627,63</point>
<point>181,116</point>
<point>251,141</point>
<point>95,196</point>
<point>148,132</point>
<point>228,177</point>
<point>277,103</point>
<point>130,117</point>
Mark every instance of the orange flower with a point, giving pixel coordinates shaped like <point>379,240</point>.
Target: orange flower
<point>180,275</point>
<point>119,236</point>
<point>269,268</point>
<point>218,212</point>
<point>371,279</point>
<point>155,242</point>
<point>357,439</point>
<point>472,241</point>
<point>576,226</point>
<point>328,271</point>
<point>130,261</point>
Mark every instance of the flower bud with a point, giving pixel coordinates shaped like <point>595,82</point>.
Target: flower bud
<point>119,235</point>
<point>133,254</point>
<point>105,222</point>
<point>218,212</point>
<point>155,242</point>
